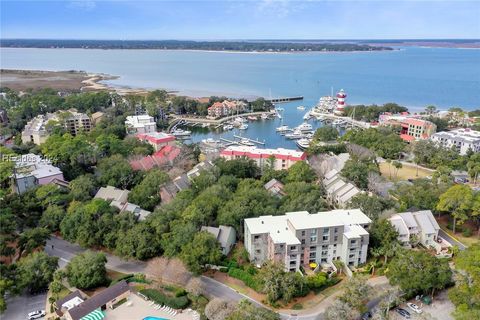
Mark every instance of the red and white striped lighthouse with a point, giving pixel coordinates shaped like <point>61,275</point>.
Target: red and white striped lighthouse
<point>341,95</point>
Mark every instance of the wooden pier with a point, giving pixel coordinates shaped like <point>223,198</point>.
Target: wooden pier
<point>250,140</point>
<point>285,99</point>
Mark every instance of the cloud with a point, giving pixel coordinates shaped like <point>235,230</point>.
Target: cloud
<point>279,8</point>
<point>86,5</point>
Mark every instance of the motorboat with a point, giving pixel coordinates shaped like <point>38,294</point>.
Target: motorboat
<point>305,127</point>
<point>243,126</point>
<point>227,127</point>
<point>252,118</point>
<point>264,116</point>
<point>301,108</point>
<point>303,143</point>
<point>181,133</point>
<point>296,134</point>
<point>212,142</point>
<point>240,120</point>
<point>279,109</point>
<point>246,142</point>
<point>282,129</point>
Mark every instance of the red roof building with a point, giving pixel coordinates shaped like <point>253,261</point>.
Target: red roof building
<point>165,156</point>
<point>283,158</point>
<point>157,139</point>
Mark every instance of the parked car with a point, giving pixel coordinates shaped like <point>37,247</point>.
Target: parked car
<point>367,315</point>
<point>414,307</point>
<point>36,314</point>
<point>404,313</point>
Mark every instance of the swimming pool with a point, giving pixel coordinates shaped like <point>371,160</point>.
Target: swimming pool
<point>154,318</point>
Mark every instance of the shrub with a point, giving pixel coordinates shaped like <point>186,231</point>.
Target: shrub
<point>297,306</point>
<point>224,270</point>
<point>160,298</point>
<point>180,292</point>
<point>467,232</point>
<point>246,277</point>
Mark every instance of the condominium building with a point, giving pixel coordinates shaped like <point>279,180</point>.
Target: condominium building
<point>279,158</point>
<point>140,124</point>
<point>460,139</point>
<point>339,192</point>
<point>420,226</point>
<point>300,238</point>
<point>225,108</point>
<point>31,170</point>
<point>74,122</point>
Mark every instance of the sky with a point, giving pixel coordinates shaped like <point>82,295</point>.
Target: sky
<point>250,19</point>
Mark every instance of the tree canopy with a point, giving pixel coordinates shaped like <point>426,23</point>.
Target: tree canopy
<point>87,270</point>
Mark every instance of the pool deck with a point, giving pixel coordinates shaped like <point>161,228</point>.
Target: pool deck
<point>139,309</point>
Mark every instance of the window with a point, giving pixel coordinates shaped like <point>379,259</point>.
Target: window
<point>313,232</point>
<point>335,230</point>
<point>292,263</point>
<point>313,248</point>
<point>292,269</point>
<point>325,247</point>
<point>303,241</point>
<point>257,251</point>
<point>293,248</point>
<point>325,230</point>
<point>324,260</point>
<point>325,238</point>
<point>351,256</point>
<point>256,237</point>
<point>303,233</point>
<point>324,253</point>
<point>313,254</point>
<point>281,246</point>
<point>313,239</point>
<point>334,251</point>
<point>293,256</point>
<point>311,261</point>
<point>335,238</point>
<point>353,241</point>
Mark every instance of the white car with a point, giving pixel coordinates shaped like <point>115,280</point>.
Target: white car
<point>414,307</point>
<point>36,314</point>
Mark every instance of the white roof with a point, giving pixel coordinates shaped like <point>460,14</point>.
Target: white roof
<point>112,193</point>
<point>354,231</point>
<point>399,224</point>
<point>347,196</point>
<point>408,219</point>
<point>75,301</point>
<point>330,174</point>
<point>330,218</point>
<point>426,221</point>
<point>34,165</point>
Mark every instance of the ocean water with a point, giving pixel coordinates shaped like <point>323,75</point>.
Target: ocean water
<point>411,76</point>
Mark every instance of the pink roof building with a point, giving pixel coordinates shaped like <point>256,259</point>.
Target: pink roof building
<point>165,156</point>
<point>157,139</point>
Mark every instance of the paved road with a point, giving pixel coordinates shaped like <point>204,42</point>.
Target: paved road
<point>19,306</point>
<point>66,251</point>
<point>445,236</point>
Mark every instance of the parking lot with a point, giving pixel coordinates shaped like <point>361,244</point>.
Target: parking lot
<point>440,309</point>
<point>19,306</point>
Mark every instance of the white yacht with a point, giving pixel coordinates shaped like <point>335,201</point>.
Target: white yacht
<point>181,133</point>
<point>305,127</point>
<point>227,127</point>
<point>301,108</point>
<point>296,134</point>
<point>212,142</point>
<point>246,142</point>
<point>243,126</point>
<point>303,143</point>
<point>240,120</point>
<point>282,129</point>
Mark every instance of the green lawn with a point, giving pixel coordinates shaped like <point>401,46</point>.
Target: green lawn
<point>404,173</point>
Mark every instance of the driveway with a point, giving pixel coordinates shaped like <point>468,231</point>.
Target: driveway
<point>454,242</point>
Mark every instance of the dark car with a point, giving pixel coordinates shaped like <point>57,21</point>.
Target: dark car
<point>367,315</point>
<point>404,313</point>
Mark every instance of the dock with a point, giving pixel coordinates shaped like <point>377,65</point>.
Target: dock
<point>285,99</point>
<point>250,140</point>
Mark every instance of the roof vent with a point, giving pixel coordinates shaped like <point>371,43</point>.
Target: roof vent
<point>262,221</point>
<point>278,231</point>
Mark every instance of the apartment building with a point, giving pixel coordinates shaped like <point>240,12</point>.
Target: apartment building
<point>36,129</point>
<point>280,158</point>
<point>140,124</point>
<point>420,226</point>
<point>339,192</point>
<point>412,128</point>
<point>300,238</point>
<point>460,139</point>
<point>225,108</point>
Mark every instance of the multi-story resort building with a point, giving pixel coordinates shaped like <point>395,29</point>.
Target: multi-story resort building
<point>279,158</point>
<point>411,128</point>
<point>225,108</point>
<point>36,131</point>
<point>462,139</point>
<point>140,124</point>
<point>300,238</point>
<point>420,226</point>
